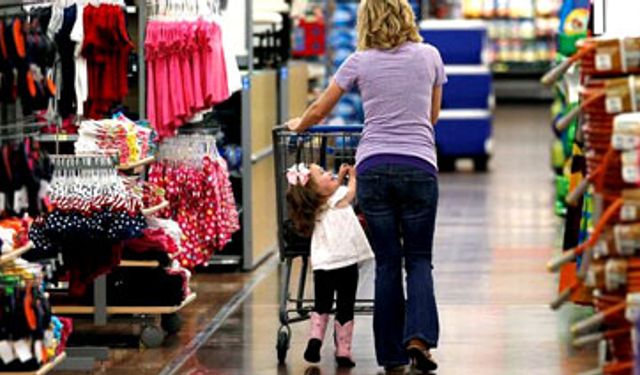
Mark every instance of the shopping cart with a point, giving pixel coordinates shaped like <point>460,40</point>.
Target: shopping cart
<point>329,147</point>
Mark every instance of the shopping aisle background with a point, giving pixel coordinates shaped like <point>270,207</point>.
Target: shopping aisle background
<point>495,233</point>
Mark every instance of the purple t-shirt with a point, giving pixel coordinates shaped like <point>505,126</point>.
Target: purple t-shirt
<point>396,87</point>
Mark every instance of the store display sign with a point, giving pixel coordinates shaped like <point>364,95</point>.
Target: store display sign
<point>616,17</point>
<point>599,17</point>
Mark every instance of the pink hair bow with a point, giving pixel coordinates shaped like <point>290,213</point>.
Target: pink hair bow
<point>298,174</point>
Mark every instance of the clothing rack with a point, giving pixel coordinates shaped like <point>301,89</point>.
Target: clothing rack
<point>19,131</point>
<point>152,334</point>
<point>22,3</point>
<point>6,260</point>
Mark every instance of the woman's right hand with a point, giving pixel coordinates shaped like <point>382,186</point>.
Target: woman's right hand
<point>294,124</point>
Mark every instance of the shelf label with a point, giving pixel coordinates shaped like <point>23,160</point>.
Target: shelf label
<point>6,352</point>
<point>603,61</point>
<point>613,104</point>
<point>23,350</point>
<point>20,200</point>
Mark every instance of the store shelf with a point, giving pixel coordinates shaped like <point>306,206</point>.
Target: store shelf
<point>124,310</point>
<point>57,137</point>
<point>520,68</point>
<point>15,253</point>
<point>140,263</point>
<point>225,260</point>
<point>140,163</point>
<point>155,209</point>
<point>43,370</point>
<point>523,38</point>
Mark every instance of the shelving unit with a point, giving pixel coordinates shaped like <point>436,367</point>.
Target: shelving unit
<point>125,310</point>
<point>155,209</point>
<point>15,253</point>
<point>43,370</point>
<point>140,263</point>
<point>140,163</point>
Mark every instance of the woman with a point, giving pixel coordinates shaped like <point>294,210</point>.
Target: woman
<point>400,80</point>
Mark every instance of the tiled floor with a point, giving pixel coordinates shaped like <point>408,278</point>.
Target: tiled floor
<point>495,233</point>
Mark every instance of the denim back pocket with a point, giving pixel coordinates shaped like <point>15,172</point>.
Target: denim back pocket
<point>370,189</point>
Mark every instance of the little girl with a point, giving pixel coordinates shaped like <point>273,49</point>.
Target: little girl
<point>320,208</point>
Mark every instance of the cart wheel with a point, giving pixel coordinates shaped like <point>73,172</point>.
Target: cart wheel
<point>481,163</point>
<point>171,323</point>
<point>282,345</point>
<point>446,164</point>
<point>152,336</point>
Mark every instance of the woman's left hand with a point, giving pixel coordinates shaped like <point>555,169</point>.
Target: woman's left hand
<point>294,124</point>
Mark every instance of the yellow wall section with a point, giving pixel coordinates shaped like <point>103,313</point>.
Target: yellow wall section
<point>263,193</point>
<point>298,89</point>
<point>264,107</point>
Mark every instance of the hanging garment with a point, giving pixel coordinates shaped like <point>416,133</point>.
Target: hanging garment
<point>202,202</point>
<point>187,72</point>
<point>106,47</point>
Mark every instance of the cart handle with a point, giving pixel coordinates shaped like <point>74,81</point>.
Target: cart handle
<point>327,128</point>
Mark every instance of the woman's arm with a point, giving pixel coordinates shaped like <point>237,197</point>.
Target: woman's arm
<point>318,110</point>
<point>436,103</point>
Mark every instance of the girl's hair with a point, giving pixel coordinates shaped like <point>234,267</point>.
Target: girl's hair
<point>304,204</point>
<point>386,24</point>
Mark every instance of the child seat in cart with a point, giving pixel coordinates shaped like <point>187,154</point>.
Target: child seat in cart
<point>329,147</point>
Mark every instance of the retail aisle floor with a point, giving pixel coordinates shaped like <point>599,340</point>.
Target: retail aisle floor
<point>495,233</point>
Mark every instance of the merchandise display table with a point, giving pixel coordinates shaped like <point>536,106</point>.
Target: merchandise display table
<point>44,369</point>
<point>15,253</point>
<point>125,310</point>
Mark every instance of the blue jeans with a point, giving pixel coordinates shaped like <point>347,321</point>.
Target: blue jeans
<point>400,204</point>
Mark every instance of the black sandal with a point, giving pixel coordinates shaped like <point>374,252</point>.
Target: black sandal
<point>421,358</point>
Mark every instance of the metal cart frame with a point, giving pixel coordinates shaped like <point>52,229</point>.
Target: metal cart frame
<point>329,147</point>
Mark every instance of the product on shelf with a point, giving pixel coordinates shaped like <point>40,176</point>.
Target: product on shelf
<point>31,337</point>
<point>120,137</point>
<point>521,32</point>
<point>604,273</point>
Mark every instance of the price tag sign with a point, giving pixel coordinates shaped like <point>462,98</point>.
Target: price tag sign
<point>603,61</point>
<point>629,212</point>
<point>613,104</point>
<point>6,352</point>
<point>23,349</point>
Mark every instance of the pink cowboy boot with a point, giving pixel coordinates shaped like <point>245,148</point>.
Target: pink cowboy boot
<point>343,338</point>
<point>318,329</point>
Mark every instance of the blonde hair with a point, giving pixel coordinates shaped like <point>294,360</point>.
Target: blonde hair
<point>386,24</point>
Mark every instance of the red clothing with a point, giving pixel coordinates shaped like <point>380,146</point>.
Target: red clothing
<point>106,47</point>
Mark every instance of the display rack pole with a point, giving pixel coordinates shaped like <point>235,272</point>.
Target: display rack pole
<point>249,34</point>
<point>283,92</point>
<point>247,214</point>
<point>247,165</point>
<point>142,65</point>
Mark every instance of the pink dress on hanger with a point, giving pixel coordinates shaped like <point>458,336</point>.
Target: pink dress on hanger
<point>163,85</point>
<point>185,68</point>
<point>176,90</point>
<point>220,86</point>
<point>196,67</point>
<point>206,61</point>
<point>150,57</point>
